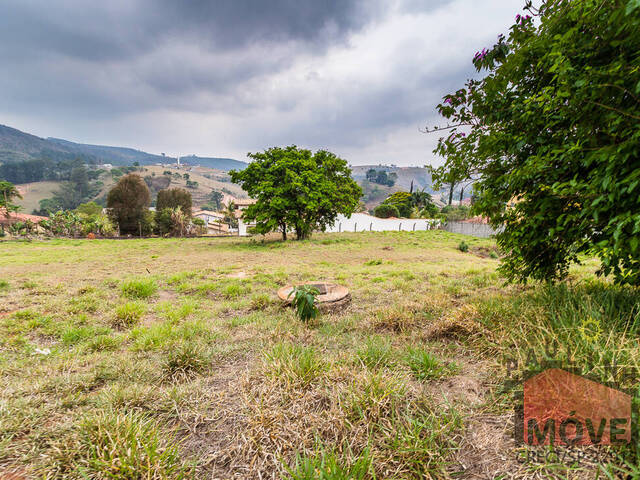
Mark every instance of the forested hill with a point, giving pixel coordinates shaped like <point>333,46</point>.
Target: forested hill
<point>28,158</point>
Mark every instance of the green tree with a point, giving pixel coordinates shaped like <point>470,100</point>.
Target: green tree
<point>403,201</point>
<point>553,134</point>
<point>297,189</point>
<point>173,198</point>
<point>215,200</point>
<point>229,212</point>
<point>80,180</point>
<point>89,209</point>
<point>8,192</point>
<point>385,210</point>
<point>128,202</point>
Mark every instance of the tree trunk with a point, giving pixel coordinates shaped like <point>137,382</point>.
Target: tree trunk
<point>461,194</point>
<point>283,228</point>
<point>451,193</point>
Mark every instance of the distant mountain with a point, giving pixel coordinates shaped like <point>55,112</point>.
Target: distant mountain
<point>225,164</point>
<point>18,146</point>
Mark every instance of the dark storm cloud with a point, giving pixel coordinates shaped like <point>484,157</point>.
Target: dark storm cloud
<point>119,29</point>
<point>159,50</point>
<point>311,72</point>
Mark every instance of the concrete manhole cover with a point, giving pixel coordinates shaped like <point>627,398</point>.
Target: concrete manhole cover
<point>331,297</point>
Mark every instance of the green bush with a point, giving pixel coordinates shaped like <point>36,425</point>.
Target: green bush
<point>463,247</point>
<point>386,211</point>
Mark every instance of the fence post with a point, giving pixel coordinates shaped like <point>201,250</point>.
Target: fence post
<point>339,227</point>
<point>414,226</point>
<point>400,227</point>
<point>355,227</point>
<point>371,227</point>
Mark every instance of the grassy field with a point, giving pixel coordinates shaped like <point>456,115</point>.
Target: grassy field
<point>173,358</point>
<point>32,193</point>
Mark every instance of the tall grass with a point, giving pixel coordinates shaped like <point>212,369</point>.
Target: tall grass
<point>127,446</point>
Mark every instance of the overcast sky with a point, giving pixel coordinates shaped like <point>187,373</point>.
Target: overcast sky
<point>225,77</point>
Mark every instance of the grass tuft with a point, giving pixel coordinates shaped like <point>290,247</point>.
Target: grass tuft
<point>184,361</point>
<point>328,465</point>
<point>294,365</point>
<point>139,288</point>
<point>376,353</point>
<point>127,446</point>
<point>128,314</point>
<point>425,366</point>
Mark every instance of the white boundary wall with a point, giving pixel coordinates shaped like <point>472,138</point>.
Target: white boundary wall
<point>481,230</point>
<point>362,222</point>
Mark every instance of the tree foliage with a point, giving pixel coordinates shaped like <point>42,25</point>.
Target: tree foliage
<point>8,192</point>
<point>381,177</point>
<point>128,202</point>
<point>173,198</point>
<point>297,189</point>
<point>553,133</point>
<point>403,201</point>
<point>385,210</point>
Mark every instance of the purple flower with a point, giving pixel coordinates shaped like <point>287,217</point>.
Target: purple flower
<point>448,100</point>
<point>518,17</point>
<point>463,134</point>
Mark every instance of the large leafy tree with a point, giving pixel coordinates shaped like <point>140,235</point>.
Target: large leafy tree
<point>128,203</point>
<point>297,190</point>
<point>553,134</point>
<point>173,198</point>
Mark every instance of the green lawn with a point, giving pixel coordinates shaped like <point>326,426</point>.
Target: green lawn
<point>173,358</point>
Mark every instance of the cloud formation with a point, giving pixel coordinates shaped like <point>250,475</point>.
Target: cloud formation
<point>226,77</point>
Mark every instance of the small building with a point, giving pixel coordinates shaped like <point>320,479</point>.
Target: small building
<point>214,221</point>
<point>243,203</point>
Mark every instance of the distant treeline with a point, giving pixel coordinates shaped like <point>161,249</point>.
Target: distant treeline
<point>40,169</point>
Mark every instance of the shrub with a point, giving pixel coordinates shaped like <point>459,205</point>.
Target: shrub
<point>143,288</point>
<point>128,314</point>
<point>4,285</point>
<point>304,301</point>
<point>386,211</point>
<point>463,247</point>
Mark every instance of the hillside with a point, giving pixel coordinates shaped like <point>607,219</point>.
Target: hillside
<point>16,145</point>
<point>207,180</point>
<point>375,193</point>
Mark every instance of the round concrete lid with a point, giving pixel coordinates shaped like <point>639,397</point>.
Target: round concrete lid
<point>329,292</point>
